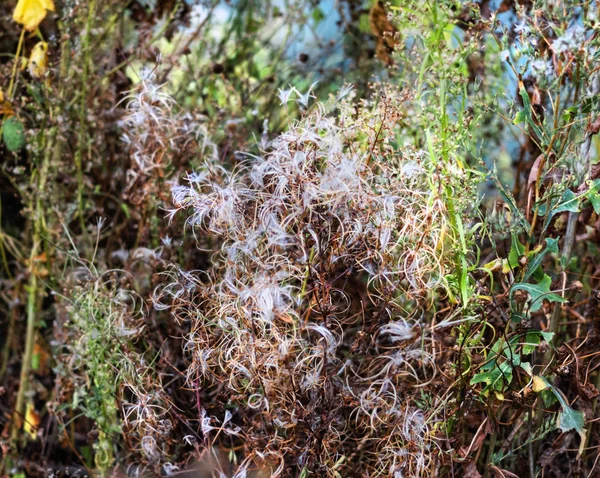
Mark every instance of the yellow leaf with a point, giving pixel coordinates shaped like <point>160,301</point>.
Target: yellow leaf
<point>30,13</point>
<point>440,242</point>
<point>539,384</point>
<point>1,96</point>
<point>32,421</point>
<point>5,108</point>
<point>494,265</point>
<point>38,60</point>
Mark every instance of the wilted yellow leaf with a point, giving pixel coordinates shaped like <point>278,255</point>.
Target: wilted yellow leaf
<point>36,265</point>
<point>38,60</point>
<point>30,13</point>
<point>40,358</point>
<point>539,383</point>
<point>32,421</point>
<point>22,63</point>
<point>6,109</point>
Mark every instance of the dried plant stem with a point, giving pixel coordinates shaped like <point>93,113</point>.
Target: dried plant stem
<point>32,294</point>
<point>82,109</point>
<point>530,451</point>
<point>33,290</point>
<point>490,454</point>
<point>15,70</point>
<point>566,255</point>
<point>14,312</point>
<point>582,169</point>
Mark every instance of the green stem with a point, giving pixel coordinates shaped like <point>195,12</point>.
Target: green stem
<point>33,290</point>
<point>15,69</point>
<point>490,455</point>
<point>29,344</point>
<point>14,312</point>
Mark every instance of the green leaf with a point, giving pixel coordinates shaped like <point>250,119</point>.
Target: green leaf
<point>13,134</point>
<point>527,113</point>
<point>540,207</point>
<point>568,419</point>
<point>547,336</point>
<point>509,200</point>
<point>495,379</point>
<point>35,362</point>
<point>533,338</point>
<point>569,114</point>
<point>495,352</point>
<point>516,317</point>
<point>125,209</point>
<point>593,195</point>
<point>537,292</point>
<point>551,246</point>
<point>548,397</point>
<point>532,341</point>
<point>520,117</point>
<point>364,26</point>
<point>510,352</point>
<point>318,15</point>
<point>588,104</point>
<point>571,202</point>
<point>568,202</point>
<point>461,253</point>
<point>465,290</point>
<point>515,357</point>
<point>527,367</point>
<point>516,251</point>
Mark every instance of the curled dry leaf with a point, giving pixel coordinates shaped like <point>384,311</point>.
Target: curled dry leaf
<point>500,473</point>
<point>471,470</point>
<point>594,126</point>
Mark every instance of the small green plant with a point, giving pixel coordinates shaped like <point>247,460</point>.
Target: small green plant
<point>109,378</point>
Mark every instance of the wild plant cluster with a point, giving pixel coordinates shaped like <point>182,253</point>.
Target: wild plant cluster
<point>299,239</point>
<point>155,135</point>
<point>308,326</point>
<point>103,320</point>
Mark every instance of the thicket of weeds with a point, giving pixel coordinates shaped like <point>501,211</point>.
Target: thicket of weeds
<point>299,238</point>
